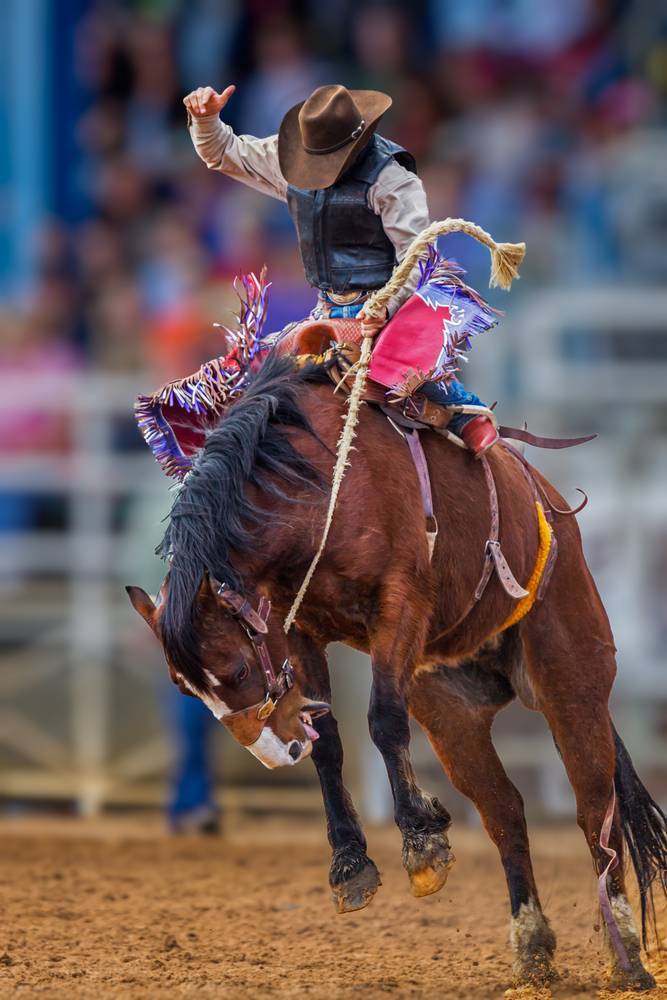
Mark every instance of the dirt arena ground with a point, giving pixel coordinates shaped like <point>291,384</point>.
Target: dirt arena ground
<point>117,909</point>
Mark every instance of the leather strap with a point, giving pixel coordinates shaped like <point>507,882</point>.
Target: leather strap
<point>541,494</point>
<point>421,467</point>
<point>418,407</point>
<point>241,608</point>
<point>247,723</point>
<point>505,574</point>
<point>603,894</point>
<point>521,434</point>
<point>493,557</point>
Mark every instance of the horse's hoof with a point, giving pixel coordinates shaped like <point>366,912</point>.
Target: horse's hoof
<point>536,972</point>
<point>637,978</point>
<point>427,858</point>
<point>354,881</point>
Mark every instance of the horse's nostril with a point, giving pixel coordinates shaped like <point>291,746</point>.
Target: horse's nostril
<point>294,750</point>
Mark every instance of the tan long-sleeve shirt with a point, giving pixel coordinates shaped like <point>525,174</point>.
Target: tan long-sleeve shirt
<point>397,196</point>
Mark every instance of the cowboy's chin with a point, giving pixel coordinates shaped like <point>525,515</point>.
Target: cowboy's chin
<point>270,750</point>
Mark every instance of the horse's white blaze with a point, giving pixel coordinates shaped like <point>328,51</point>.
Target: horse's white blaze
<point>270,750</point>
<point>212,702</point>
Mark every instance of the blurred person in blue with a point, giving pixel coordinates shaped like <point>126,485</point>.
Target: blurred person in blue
<point>355,200</point>
<point>191,806</point>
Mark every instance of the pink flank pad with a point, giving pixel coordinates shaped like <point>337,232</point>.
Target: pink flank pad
<point>429,333</point>
<point>411,341</point>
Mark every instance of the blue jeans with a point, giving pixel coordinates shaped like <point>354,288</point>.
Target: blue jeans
<point>455,393</point>
<point>191,782</point>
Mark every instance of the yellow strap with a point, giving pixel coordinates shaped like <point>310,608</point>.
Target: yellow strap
<point>526,603</point>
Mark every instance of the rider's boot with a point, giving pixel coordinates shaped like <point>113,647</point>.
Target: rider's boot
<point>479,434</point>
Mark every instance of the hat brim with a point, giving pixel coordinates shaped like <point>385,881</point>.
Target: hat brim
<point>313,171</point>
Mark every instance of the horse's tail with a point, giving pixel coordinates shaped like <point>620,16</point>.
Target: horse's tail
<point>644,826</point>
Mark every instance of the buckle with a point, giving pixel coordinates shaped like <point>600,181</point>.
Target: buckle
<point>288,674</point>
<point>411,409</point>
<point>266,709</point>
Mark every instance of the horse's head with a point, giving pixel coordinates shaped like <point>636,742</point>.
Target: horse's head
<point>238,665</point>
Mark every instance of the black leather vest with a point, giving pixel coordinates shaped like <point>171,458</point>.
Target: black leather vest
<point>342,242</point>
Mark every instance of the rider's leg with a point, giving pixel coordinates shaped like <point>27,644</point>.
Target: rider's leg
<point>478,432</point>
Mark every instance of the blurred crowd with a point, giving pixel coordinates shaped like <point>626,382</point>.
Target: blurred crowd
<point>541,122</point>
<point>536,120</point>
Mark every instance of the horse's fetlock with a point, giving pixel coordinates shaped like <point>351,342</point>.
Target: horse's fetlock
<point>346,862</point>
<point>437,812</point>
<point>533,944</point>
<point>636,977</point>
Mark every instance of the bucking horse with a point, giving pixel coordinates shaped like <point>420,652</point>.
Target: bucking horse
<point>452,635</point>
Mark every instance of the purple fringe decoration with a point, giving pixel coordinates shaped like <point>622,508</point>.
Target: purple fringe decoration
<point>253,293</point>
<point>196,402</point>
<point>437,268</point>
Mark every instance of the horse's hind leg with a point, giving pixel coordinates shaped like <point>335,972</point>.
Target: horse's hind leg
<point>456,707</point>
<point>353,877</point>
<point>571,668</point>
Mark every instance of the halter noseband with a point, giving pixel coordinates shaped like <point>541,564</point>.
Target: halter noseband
<point>247,724</point>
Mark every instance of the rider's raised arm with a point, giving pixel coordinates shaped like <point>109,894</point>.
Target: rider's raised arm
<point>398,197</point>
<point>243,157</point>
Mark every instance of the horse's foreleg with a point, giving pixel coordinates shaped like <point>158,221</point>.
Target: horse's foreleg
<point>353,877</point>
<point>456,707</point>
<point>422,820</point>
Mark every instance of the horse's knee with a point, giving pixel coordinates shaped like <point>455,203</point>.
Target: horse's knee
<point>388,724</point>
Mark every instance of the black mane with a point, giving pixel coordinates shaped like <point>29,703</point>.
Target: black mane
<point>212,517</point>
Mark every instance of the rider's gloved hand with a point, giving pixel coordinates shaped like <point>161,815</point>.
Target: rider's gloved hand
<point>206,101</point>
<point>371,325</point>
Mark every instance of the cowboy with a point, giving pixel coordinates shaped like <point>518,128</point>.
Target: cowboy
<point>354,197</point>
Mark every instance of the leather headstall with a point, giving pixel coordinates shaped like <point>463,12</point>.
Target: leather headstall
<point>246,724</point>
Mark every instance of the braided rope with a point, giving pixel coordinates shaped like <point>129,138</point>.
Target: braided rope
<point>342,451</point>
<point>505,261</point>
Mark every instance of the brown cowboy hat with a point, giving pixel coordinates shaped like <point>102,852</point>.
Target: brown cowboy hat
<point>319,137</point>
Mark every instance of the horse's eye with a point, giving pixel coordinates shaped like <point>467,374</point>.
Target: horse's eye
<point>242,674</point>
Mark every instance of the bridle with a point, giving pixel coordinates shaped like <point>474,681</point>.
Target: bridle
<point>246,724</point>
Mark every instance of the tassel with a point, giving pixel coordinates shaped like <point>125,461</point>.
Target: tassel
<point>505,261</point>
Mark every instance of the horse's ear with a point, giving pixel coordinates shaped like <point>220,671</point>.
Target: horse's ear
<point>142,603</point>
<point>208,589</point>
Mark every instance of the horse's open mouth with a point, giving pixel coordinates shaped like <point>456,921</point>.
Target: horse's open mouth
<point>306,720</point>
<point>312,710</point>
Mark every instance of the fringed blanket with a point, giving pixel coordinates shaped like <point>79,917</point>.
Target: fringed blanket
<point>425,341</point>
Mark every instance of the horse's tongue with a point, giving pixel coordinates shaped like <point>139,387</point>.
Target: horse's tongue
<point>311,733</point>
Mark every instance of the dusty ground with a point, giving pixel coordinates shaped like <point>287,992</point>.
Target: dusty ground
<point>120,910</point>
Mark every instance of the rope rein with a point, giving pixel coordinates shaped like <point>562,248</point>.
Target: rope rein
<point>505,261</point>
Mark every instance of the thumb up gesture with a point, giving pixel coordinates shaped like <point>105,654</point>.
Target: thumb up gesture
<point>205,101</point>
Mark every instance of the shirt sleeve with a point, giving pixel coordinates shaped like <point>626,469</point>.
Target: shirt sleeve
<point>398,197</point>
<point>242,157</point>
